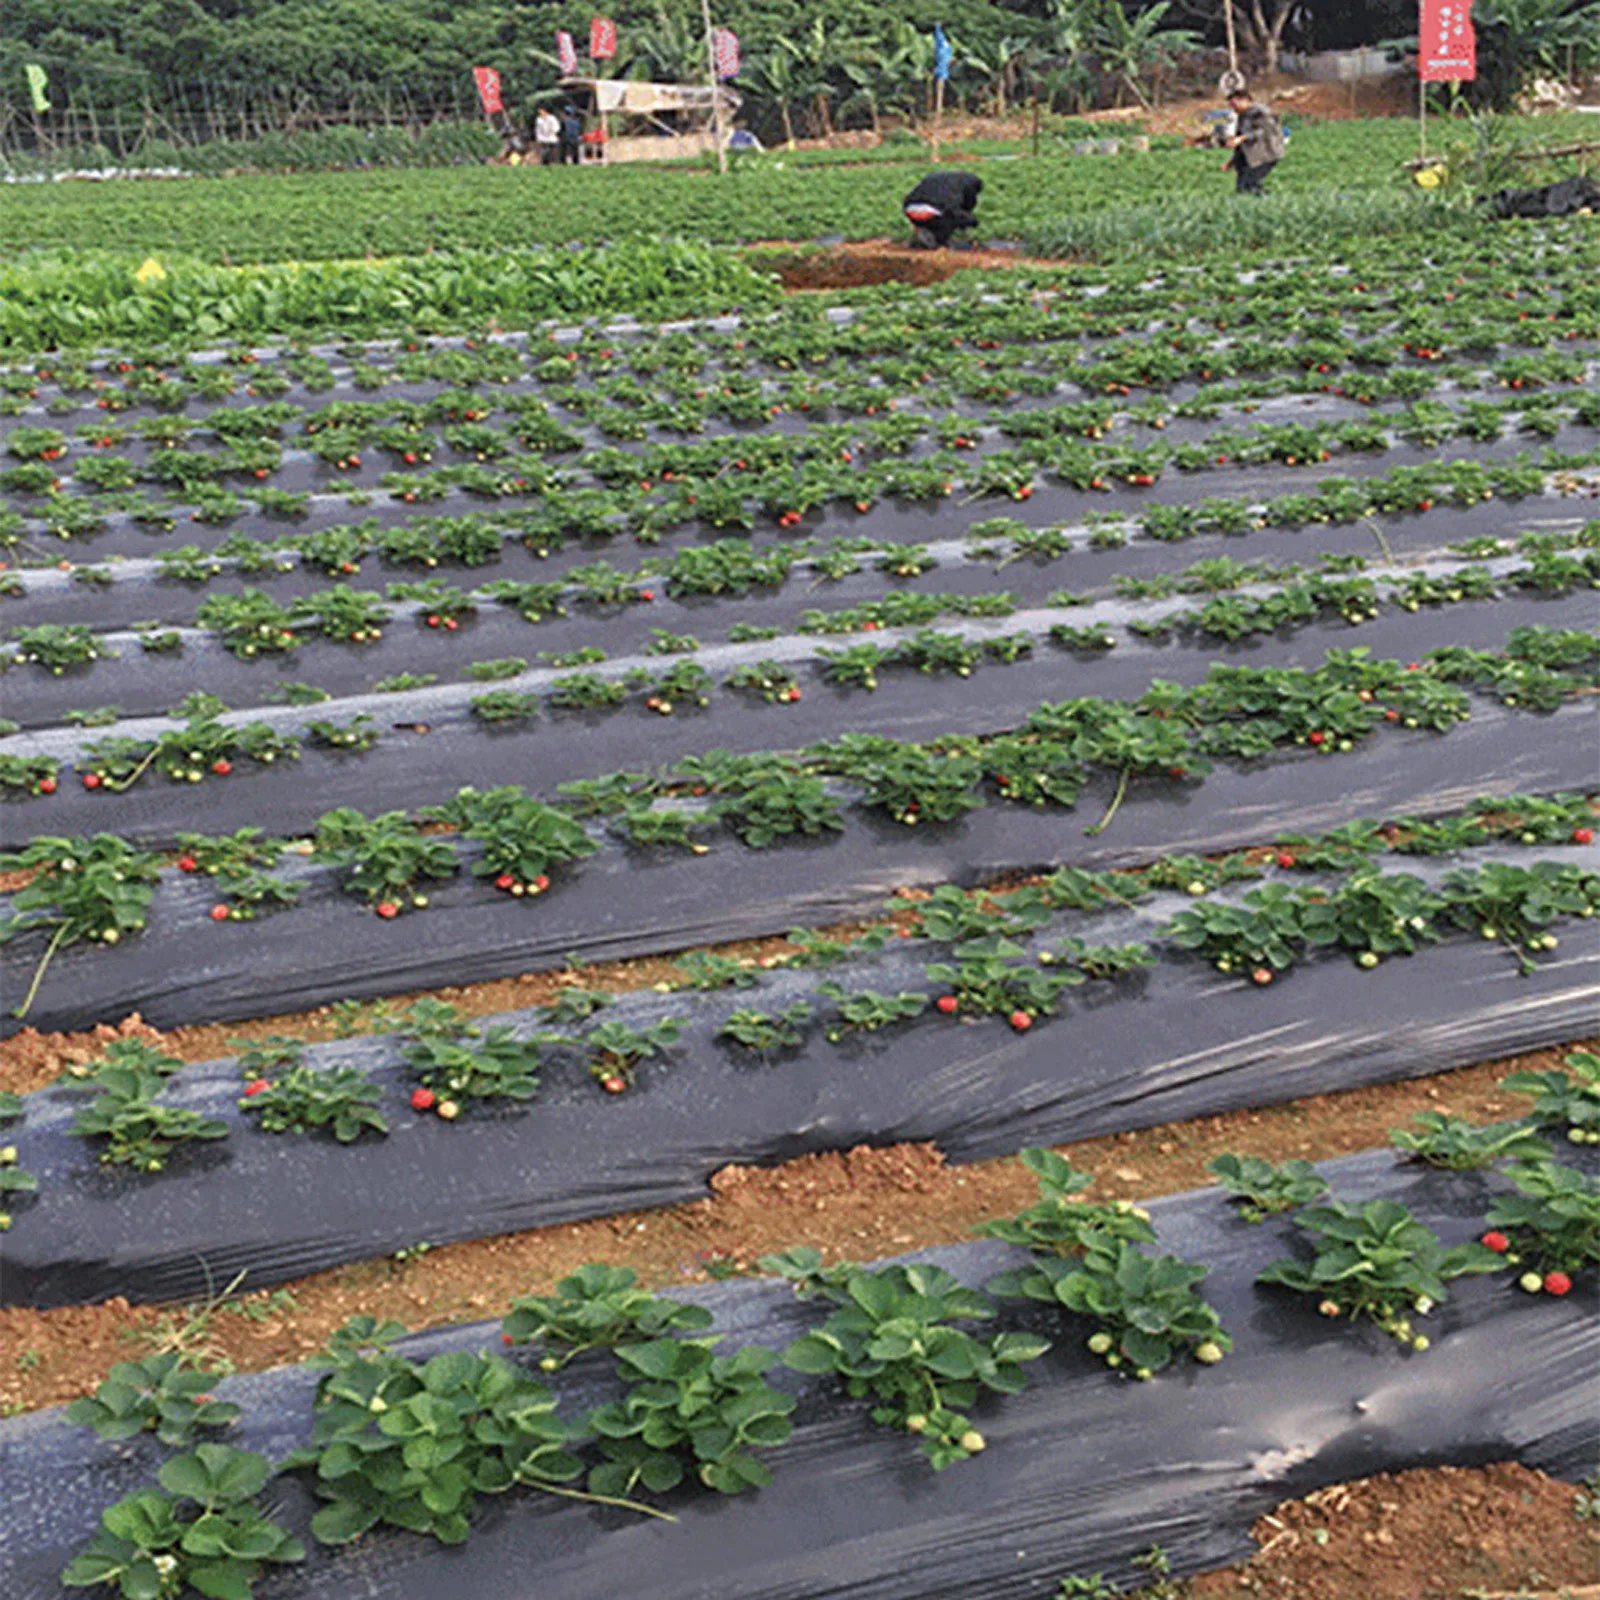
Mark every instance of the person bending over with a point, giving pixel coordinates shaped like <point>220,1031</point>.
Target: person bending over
<point>1257,142</point>
<point>939,206</point>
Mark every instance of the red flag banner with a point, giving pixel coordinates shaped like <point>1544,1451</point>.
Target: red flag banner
<point>489,90</point>
<point>725,51</point>
<point>567,55</point>
<point>1447,48</point>
<point>602,39</point>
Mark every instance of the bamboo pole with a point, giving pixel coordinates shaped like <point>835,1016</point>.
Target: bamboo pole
<point>1233,39</point>
<point>716,91</point>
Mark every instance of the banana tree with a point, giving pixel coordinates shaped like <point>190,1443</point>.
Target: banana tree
<point>1130,47</point>
<point>770,80</point>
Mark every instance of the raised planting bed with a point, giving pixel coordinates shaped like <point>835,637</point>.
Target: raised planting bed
<point>1081,1470</point>
<point>995,1028</point>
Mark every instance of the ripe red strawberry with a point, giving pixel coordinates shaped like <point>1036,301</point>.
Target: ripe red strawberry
<point>387,909</point>
<point>1262,975</point>
<point>257,1086</point>
<point>1583,835</point>
<point>450,624</point>
<point>422,1099</point>
<point>1317,737</point>
<point>947,1003</point>
<point>613,1084</point>
<point>47,786</point>
<point>219,913</point>
<point>1496,1242</point>
<point>432,620</point>
<point>647,594</point>
<point>505,1338</point>
<point>222,768</point>
<point>505,881</point>
<point>92,780</point>
<point>1285,859</point>
<point>410,458</point>
<point>1557,1283</point>
<point>1021,1021</point>
<point>541,883</point>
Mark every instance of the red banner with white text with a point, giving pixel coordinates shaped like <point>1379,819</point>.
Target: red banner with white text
<point>725,51</point>
<point>1447,48</point>
<point>602,39</point>
<point>567,55</point>
<point>489,90</point>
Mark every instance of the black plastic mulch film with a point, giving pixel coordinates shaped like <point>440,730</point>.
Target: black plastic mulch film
<point>1083,1471</point>
<point>618,902</point>
<point>1175,1042</point>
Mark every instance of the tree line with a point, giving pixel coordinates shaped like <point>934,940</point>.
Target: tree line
<point>213,68</point>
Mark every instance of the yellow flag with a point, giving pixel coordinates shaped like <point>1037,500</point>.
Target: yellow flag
<point>150,271</point>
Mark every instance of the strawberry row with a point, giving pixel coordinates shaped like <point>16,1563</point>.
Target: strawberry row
<point>399,750</point>
<point>917,814</point>
<point>690,1056</point>
<point>758,592</point>
<point>1088,1277</point>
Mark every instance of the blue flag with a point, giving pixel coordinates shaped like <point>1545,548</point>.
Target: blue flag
<point>941,54</point>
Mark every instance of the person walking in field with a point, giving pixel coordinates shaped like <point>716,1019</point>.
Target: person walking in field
<point>1257,142</point>
<point>941,205</point>
<point>547,136</point>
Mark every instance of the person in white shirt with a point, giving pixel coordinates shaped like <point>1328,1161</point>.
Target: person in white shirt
<point>547,136</point>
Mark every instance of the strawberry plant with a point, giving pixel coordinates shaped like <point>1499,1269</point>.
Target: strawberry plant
<point>359,733</point>
<point>1459,1146</point>
<point>1260,936</point>
<point>1373,913</point>
<point>496,670</point>
<point>770,801</point>
<point>596,1307</point>
<point>455,1060</point>
<point>1551,1225</point>
<point>138,1130</point>
<point>986,978</point>
<point>342,613</point>
<point>766,1031</point>
<point>868,1010</point>
<point>687,1410</point>
<point>14,1180</point>
<point>521,839</point>
<point>1061,1223</point>
<point>894,1336</point>
<point>1376,1261</point>
<point>686,684</point>
<point>1106,962</point>
<point>911,782</point>
<point>773,681</point>
<point>202,1529</point>
<point>858,666</point>
<point>504,705</point>
<point>615,1050</point>
<point>1146,1305</point>
<point>1567,1100</point>
<point>1265,1190</point>
<point>56,647</point>
<point>586,691</point>
<point>1516,904</point>
<point>94,889</point>
<point>383,857</point>
<point>413,1446</point>
<point>35,774</point>
<point>302,1098</point>
<point>250,623</point>
<point>160,1395</point>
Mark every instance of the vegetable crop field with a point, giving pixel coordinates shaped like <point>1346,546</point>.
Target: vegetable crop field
<point>534,734</point>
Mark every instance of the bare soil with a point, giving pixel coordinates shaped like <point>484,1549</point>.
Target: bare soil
<point>1447,1534</point>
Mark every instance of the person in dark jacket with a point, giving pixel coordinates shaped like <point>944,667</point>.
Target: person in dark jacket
<point>939,206</point>
<point>1257,142</point>
<point>570,143</point>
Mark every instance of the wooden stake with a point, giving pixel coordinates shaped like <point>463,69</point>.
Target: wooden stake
<point>1233,42</point>
<point>716,91</point>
